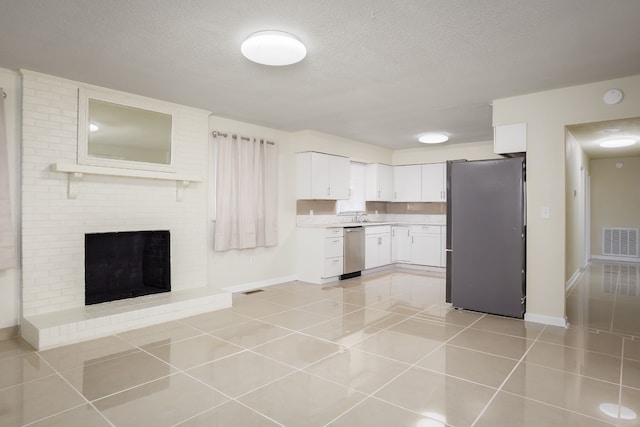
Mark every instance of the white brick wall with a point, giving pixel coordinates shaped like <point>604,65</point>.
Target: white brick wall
<point>53,226</point>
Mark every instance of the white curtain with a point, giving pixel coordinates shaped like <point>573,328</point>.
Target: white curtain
<point>7,239</point>
<point>246,193</point>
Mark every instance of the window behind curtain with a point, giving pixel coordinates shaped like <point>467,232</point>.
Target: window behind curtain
<point>356,202</point>
<point>246,193</point>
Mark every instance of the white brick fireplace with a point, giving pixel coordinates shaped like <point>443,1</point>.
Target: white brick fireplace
<point>54,225</point>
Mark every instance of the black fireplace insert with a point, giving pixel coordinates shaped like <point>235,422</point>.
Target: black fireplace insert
<point>126,265</point>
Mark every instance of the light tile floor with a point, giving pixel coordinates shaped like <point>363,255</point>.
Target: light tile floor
<point>381,350</point>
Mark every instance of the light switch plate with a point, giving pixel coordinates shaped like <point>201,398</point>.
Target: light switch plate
<point>545,213</point>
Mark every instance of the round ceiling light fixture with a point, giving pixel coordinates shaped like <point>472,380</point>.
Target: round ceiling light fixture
<point>617,143</point>
<point>93,127</point>
<point>433,138</point>
<point>274,48</point>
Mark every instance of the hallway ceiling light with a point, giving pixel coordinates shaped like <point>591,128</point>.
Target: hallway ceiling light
<point>433,138</point>
<point>93,127</point>
<point>275,48</point>
<point>618,142</point>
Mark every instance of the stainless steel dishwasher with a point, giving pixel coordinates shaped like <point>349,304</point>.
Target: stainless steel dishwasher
<point>353,252</point>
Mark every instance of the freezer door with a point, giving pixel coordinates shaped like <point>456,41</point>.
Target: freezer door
<point>487,248</point>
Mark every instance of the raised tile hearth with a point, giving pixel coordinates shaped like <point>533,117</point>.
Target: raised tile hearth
<point>79,324</point>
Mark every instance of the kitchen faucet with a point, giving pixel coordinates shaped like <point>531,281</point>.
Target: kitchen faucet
<point>361,217</point>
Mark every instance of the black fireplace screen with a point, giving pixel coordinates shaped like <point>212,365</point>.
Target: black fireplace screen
<point>126,265</point>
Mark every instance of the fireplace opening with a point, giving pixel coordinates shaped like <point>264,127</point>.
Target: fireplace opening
<point>126,265</point>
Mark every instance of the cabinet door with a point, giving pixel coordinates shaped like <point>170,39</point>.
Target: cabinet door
<point>425,249</point>
<point>333,266</point>
<point>371,252</point>
<point>384,249</point>
<point>434,182</point>
<point>333,247</point>
<point>400,244</point>
<point>338,173</point>
<point>379,183</point>
<point>322,176</point>
<point>407,183</point>
<point>320,187</point>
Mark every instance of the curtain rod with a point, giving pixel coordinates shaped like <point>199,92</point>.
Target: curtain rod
<point>215,134</point>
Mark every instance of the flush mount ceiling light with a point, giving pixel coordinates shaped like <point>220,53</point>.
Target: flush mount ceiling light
<point>617,143</point>
<point>275,48</point>
<point>433,138</point>
<point>93,127</point>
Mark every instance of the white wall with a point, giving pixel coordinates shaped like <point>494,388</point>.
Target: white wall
<point>53,226</point>
<point>255,267</point>
<point>443,152</point>
<point>615,197</point>
<point>10,279</point>
<point>261,265</point>
<point>547,114</point>
<point>356,151</point>
<point>577,164</point>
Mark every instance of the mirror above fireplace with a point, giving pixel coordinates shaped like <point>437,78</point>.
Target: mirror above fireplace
<point>125,131</point>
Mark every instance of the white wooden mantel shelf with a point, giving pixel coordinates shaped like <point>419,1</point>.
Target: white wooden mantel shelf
<point>77,172</point>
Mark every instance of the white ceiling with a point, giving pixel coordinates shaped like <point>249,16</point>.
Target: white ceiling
<point>377,71</point>
<point>590,135</point>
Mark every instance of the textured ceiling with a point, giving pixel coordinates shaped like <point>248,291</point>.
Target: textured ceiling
<point>377,71</point>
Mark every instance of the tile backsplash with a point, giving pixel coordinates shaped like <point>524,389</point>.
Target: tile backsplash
<point>328,207</point>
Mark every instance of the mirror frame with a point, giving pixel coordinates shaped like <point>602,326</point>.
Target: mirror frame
<point>128,100</point>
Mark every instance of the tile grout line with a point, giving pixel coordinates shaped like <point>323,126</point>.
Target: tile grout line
<point>621,378</point>
<point>520,361</point>
<point>615,297</point>
<point>413,365</point>
<point>87,401</point>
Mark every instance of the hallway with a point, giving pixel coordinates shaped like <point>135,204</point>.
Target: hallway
<point>607,299</point>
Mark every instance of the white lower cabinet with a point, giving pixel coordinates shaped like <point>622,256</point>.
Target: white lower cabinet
<point>321,250</point>
<point>400,243</point>
<point>425,245</point>
<point>377,247</point>
<point>320,253</point>
<point>418,244</point>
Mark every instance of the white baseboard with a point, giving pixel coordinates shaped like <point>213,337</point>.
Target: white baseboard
<point>416,267</point>
<point>546,320</point>
<point>260,284</point>
<point>572,281</point>
<point>615,258</point>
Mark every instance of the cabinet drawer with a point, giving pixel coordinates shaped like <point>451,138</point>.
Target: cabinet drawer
<point>333,247</point>
<point>333,266</point>
<point>334,232</point>
<point>425,229</point>
<point>377,229</point>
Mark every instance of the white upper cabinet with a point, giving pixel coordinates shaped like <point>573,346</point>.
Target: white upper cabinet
<point>434,182</point>
<point>379,183</point>
<point>322,176</point>
<point>407,183</point>
<point>510,138</point>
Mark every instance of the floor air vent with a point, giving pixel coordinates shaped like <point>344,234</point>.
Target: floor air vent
<point>620,242</point>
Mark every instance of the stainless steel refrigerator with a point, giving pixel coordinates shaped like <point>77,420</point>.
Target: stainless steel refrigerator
<point>486,236</point>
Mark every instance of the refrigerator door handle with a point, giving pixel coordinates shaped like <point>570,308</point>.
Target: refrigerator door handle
<point>448,250</point>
